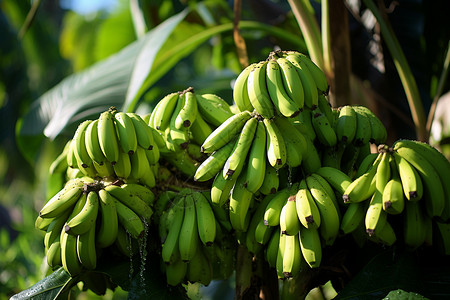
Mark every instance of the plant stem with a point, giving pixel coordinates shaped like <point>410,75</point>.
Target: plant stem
<point>440,88</point>
<point>310,30</point>
<point>408,81</point>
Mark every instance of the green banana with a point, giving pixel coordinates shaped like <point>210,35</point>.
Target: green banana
<point>86,251</point>
<point>271,181</point>
<point>125,132</point>
<point>238,156</point>
<point>163,112</point>
<point>69,256</point>
<point>323,128</point>
<point>129,220</point>
<point>311,162</point>
<point>200,130</point>
<point>307,210</point>
<point>188,240</point>
<point>143,132</point>
<point>144,193</point>
<point>303,123</point>
<point>293,81</point>
<point>59,165</point>
<point>353,216</point>
<point>257,160</point>
<point>136,204</point>
<point>311,246</point>
<point>82,157</point>
<point>199,269</point>
<point>276,148</point>
<point>393,198</point>
<point>336,178</point>
<point>346,124</point>
<point>296,145</point>
<point>411,182</point>
<point>175,272</point>
<point>292,256</point>
<point>188,113</point>
<point>284,105</point>
<point>54,254</point>
<point>221,188</point>
<point>240,94</point>
<point>317,74</point>
<point>240,199</point>
<point>86,218</point>
<point>170,249</point>
<point>329,216</point>
<point>225,132</point>
<point>213,109</point>
<point>273,208</point>
<point>108,225</point>
<point>122,167</point>
<point>414,229</point>
<point>271,251</point>
<point>206,221</point>
<point>289,221</point>
<point>363,132</point>
<point>377,129</point>
<point>63,200</point>
<point>107,137</point>
<point>257,91</point>
<point>432,185</point>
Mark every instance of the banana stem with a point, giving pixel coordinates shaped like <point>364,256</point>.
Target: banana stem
<point>408,81</point>
<point>309,28</point>
<point>440,88</point>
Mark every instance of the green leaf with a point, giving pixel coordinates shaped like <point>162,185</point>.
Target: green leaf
<point>92,91</point>
<point>145,58</point>
<point>48,288</point>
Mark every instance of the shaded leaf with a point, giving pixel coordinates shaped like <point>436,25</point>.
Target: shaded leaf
<point>47,288</point>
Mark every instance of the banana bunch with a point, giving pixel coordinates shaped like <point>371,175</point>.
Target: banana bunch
<point>187,116</point>
<point>246,153</point>
<point>88,215</point>
<point>294,224</point>
<point>393,182</point>
<point>359,125</point>
<point>188,228</point>
<point>116,145</point>
<point>281,85</point>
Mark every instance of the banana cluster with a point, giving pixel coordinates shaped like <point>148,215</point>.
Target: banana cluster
<point>187,116</point>
<point>407,180</point>
<point>116,145</point>
<point>281,85</point>
<point>294,224</point>
<point>188,229</point>
<point>87,216</point>
<point>245,154</point>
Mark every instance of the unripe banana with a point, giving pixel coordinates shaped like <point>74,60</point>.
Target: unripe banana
<point>221,188</point>
<point>307,210</point>
<point>108,225</point>
<point>393,198</point>
<point>86,218</point>
<point>289,221</point>
<point>292,256</point>
<point>336,178</point>
<point>276,148</point>
<point>414,229</point>
<point>311,246</point>
<point>206,220</point>
<point>271,181</point>
<point>136,204</point>
<point>319,77</point>
<point>199,269</point>
<point>377,129</point>
<point>71,159</point>
<point>86,251</point>
<point>162,113</point>
<point>188,113</point>
<point>303,123</point>
<point>170,248</point>
<point>257,160</point>
<point>363,132</point>
<point>107,137</point>
<point>293,81</point>
<point>346,124</point>
<point>225,132</point>
<point>63,200</point>
<point>240,200</point>
<point>296,145</point>
<point>122,167</point>
<point>54,254</point>
<point>258,92</point>
<point>284,105</point>
<point>322,126</point>
<point>129,220</point>
<point>329,216</point>
<point>271,252</point>
<point>175,272</point>
<point>353,216</point>
<point>188,240</point>
<point>273,208</point>
<point>240,93</point>
<point>263,233</point>
<point>144,193</point>
<point>82,157</point>
<point>359,190</point>
<point>179,137</point>
<point>213,109</point>
<point>435,200</point>
<point>238,156</point>
<point>125,132</point>
<point>144,133</point>
<point>386,235</point>
<point>139,163</point>
<point>411,182</point>
<point>53,231</point>
<point>69,256</point>
<point>200,130</point>
<point>311,162</point>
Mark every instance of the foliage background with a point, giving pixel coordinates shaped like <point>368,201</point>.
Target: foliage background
<point>60,42</point>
